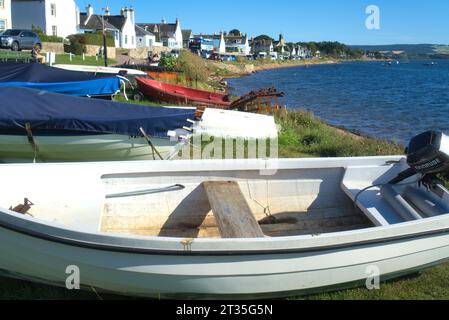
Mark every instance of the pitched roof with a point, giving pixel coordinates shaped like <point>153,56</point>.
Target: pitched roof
<point>164,30</point>
<point>186,34</point>
<point>167,30</point>
<point>151,27</point>
<point>140,32</point>
<point>117,21</point>
<point>95,22</point>
<point>262,42</point>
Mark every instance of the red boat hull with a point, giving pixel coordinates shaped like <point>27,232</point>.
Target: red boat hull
<point>170,93</point>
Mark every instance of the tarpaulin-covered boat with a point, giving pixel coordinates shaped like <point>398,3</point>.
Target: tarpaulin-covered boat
<point>46,126</point>
<point>171,93</point>
<point>41,77</point>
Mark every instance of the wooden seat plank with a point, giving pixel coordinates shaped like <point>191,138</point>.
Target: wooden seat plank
<point>232,213</point>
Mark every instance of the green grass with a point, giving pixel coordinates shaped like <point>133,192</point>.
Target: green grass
<point>11,55</point>
<point>78,60</point>
<point>301,135</point>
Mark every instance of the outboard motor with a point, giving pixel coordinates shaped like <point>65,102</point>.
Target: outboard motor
<point>428,155</point>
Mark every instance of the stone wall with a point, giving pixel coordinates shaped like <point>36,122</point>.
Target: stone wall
<point>142,53</point>
<point>92,50</point>
<point>56,47</point>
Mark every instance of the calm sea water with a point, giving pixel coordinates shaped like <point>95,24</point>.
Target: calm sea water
<point>394,102</point>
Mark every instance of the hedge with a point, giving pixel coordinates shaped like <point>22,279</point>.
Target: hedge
<point>95,39</point>
<point>44,37</point>
<point>78,42</point>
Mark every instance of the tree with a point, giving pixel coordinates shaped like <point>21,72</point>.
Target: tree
<point>263,37</point>
<point>235,32</point>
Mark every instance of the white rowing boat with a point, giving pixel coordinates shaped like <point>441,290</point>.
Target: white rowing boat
<point>97,69</point>
<point>216,229</point>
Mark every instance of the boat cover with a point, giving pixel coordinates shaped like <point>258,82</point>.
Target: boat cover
<point>42,77</point>
<point>47,111</point>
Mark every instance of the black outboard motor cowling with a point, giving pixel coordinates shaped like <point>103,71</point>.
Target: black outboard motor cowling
<point>427,154</point>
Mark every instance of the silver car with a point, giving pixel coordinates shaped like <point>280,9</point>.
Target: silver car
<point>17,39</point>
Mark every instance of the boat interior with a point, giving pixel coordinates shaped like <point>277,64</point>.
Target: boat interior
<point>222,204</point>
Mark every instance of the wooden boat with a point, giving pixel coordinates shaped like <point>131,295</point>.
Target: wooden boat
<point>213,229</point>
<point>176,94</point>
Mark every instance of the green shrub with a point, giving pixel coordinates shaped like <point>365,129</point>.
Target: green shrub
<point>168,61</point>
<point>75,48</point>
<point>78,42</point>
<point>44,37</point>
<point>193,66</point>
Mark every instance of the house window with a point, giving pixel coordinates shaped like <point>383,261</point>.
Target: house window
<point>2,4</point>
<point>126,39</point>
<point>53,9</point>
<point>132,40</point>
<point>54,30</point>
<point>2,24</point>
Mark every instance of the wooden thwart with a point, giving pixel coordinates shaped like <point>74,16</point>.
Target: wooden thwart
<point>232,213</point>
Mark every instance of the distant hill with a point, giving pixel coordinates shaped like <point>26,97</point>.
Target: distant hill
<point>409,49</point>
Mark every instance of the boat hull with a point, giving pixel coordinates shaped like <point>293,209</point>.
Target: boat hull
<point>173,94</point>
<point>41,248</point>
<point>14,148</point>
<point>217,277</point>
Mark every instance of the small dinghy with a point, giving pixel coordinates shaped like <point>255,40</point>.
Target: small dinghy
<point>221,229</point>
<point>170,93</point>
<point>41,77</point>
<point>49,127</point>
<point>101,70</point>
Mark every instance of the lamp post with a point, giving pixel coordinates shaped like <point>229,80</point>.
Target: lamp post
<point>105,47</point>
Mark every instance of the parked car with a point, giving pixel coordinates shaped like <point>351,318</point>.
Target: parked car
<point>18,39</point>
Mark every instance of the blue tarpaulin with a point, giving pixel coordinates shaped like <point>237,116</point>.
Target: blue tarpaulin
<point>51,112</point>
<point>41,77</point>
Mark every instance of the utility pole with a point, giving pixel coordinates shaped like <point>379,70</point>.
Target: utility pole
<point>105,46</point>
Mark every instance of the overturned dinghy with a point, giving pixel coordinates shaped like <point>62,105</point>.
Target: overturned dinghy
<point>46,127</point>
<point>213,229</point>
<point>41,77</point>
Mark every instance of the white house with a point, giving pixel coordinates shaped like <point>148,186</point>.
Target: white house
<point>262,45</point>
<point>144,38</point>
<point>170,34</point>
<point>122,26</point>
<point>237,44</point>
<point>54,17</point>
<point>5,15</point>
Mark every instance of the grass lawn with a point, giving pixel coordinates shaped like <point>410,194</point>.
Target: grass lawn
<point>301,135</point>
<point>88,61</point>
<point>12,55</point>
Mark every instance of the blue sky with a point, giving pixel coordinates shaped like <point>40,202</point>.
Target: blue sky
<point>401,21</point>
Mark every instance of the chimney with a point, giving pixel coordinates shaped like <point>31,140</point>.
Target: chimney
<point>132,15</point>
<point>89,11</point>
<point>164,21</point>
